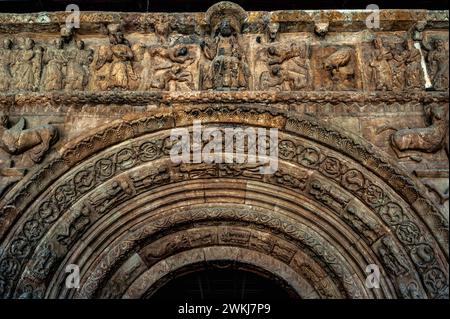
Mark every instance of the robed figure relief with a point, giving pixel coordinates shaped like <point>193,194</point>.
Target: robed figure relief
<point>6,55</point>
<point>26,68</point>
<point>55,61</point>
<point>381,70</point>
<point>228,69</point>
<point>114,63</point>
<point>80,58</point>
<point>438,65</point>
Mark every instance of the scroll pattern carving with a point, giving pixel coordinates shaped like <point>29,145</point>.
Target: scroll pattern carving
<point>311,158</point>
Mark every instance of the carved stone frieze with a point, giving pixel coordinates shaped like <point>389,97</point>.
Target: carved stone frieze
<point>86,175</point>
<point>228,50</point>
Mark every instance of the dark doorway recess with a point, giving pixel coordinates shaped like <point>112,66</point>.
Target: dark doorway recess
<point>220,285</point>
<point>22,6</point>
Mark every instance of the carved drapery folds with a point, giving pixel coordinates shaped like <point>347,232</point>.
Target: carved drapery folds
<point>114,62</point>
<point>109,197</point>
<point>396,66</point>
<point>228,51</point>
<point>312,170</point>
<point>228,68</point>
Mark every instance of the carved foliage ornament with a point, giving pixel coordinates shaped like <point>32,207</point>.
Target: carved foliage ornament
<point>105,168</point>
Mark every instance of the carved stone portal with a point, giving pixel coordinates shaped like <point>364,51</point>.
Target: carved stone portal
<point>86,133</point>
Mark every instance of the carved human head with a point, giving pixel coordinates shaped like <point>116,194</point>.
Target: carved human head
<point>115,34</point>
<point>225,18</point>
<point>29,43</point>
<point>113,39</point>
<point>80,45</point>
<point>275,69</point>
<point>4,121</point>
<point>225,28</point>
<point>7,44</point>
<point>120,37</point>
<point>378,43</point>
<point>66,33</point>
<point>439,44</point>
<point>272,30</point>
<point>321,28</point>
<point>58,43</point>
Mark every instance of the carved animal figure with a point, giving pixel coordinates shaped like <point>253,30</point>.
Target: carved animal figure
<point>338,59</point>
<point>341,71</point>
<point>17,139</point>
<point>428,139</point>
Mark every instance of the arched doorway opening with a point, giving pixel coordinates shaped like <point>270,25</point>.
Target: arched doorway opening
<point>222,281</point>
<point>117,206</point>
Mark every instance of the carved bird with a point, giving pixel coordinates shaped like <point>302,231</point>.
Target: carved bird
<point>338,59</point>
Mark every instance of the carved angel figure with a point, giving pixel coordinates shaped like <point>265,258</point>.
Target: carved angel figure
<point>114,63</point>
<point>17,139</point>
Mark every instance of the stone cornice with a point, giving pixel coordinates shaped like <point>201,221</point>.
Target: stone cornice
<point>186,23</point>
<point>142,98</point>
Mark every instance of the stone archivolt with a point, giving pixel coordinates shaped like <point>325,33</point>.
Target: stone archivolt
<point>111,200</point>
<point>391,225</point>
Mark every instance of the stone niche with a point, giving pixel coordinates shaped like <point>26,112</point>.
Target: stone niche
<point>70,94</point>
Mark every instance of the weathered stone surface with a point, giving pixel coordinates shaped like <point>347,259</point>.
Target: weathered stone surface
<point>86,177</point>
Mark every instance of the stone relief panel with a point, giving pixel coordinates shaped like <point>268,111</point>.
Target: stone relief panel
<point>390,88</point>
<point>394,64</point>
<point>285,66</point>
<point>225,51</point>
<point>228,68</point>
<point>436,48</point>
<point>114,63</point>
<point>336,68</point>
<point>22,148</point>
